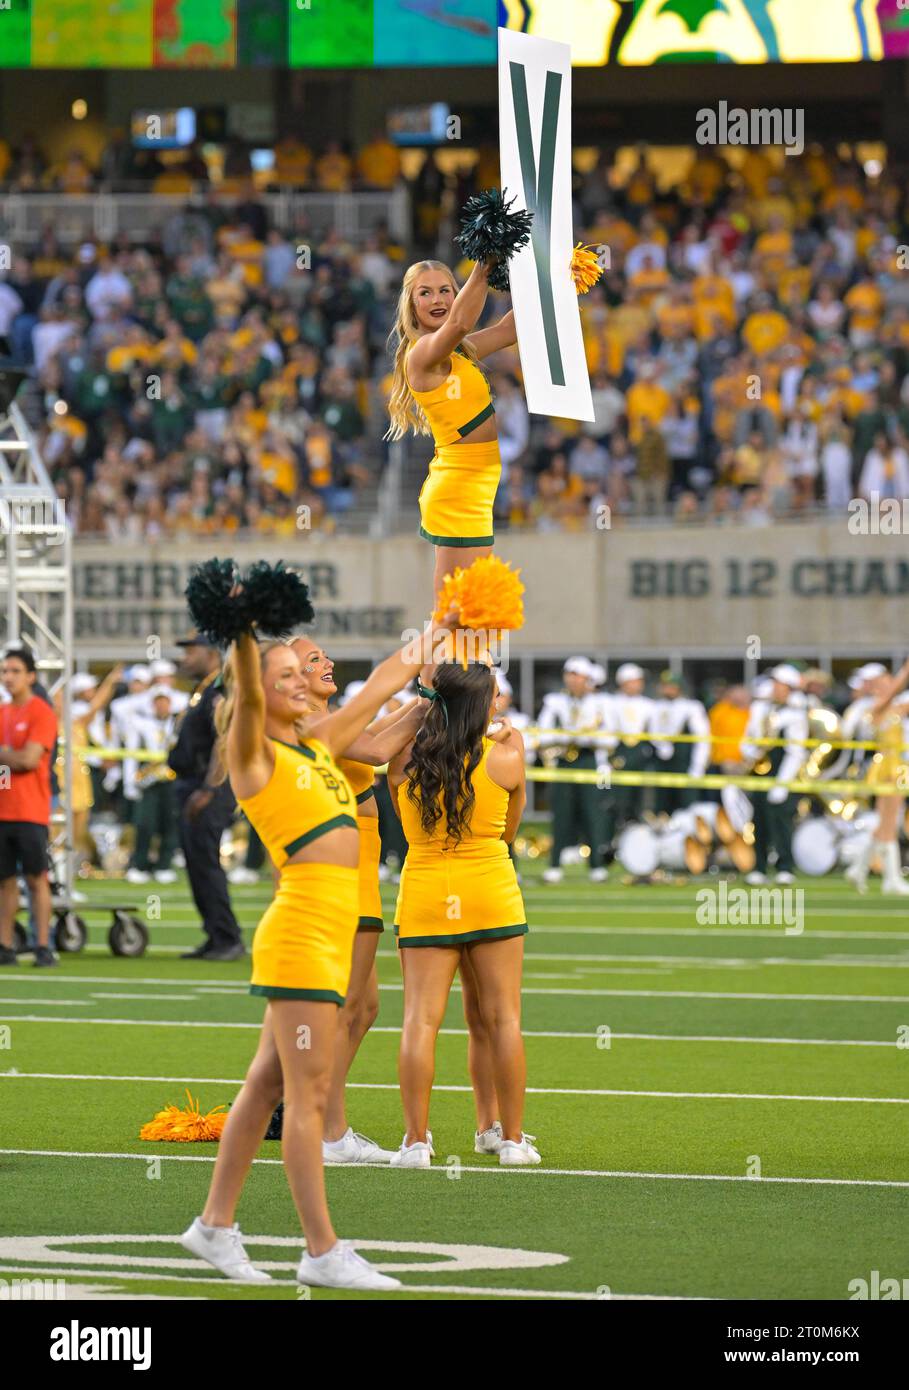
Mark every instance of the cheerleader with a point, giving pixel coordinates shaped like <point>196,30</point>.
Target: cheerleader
<point>886,718</point>
<point>302,806</point>
<point>439,389</point>
<point>373,748</point>
<point>460,795</point>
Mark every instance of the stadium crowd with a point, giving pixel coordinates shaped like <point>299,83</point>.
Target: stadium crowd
<point>748,347</point>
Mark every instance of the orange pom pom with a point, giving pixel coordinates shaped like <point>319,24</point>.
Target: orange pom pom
<point>185,1126</point>
<point>487,596</point>
<point>585,268</point>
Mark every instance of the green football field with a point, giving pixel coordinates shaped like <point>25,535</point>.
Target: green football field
<point>721,1110</point>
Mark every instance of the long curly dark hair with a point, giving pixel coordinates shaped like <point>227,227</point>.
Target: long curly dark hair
<point>445,754</point>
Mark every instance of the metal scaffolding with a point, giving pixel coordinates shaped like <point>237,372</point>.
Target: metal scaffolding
<point>36,594</point>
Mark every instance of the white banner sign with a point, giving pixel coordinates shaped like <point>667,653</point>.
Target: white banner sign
<point>535,161</point>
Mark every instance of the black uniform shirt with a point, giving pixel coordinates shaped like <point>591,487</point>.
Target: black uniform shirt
<point>191,754</point>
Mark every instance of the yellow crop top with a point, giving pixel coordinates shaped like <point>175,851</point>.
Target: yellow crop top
<point>361,776</point>
<point>453,411</point>
<point>487,819</point>
<point>306,796</point>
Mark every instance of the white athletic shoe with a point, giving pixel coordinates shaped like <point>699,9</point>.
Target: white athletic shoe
<point>513,1154</point>
<point>857,875</point>
<point>599,875</point>
<point>354,1148</point>
<point>342,1268</point>
<point>755,878</point>
<point>416,1155</point>
<point>551,875</point>
<point>222,1246</point>
<point>242,875</point>
<point>137,876</point>
<point>384,873</point>
<point>784,879</point>
<point>892,882</point>
<point>490,1141</point>
<point>166,876</point>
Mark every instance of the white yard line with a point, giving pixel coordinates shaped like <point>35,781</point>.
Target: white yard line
<point>491,1170</point>
<point>467,1090</point>
<point>585,1036</point>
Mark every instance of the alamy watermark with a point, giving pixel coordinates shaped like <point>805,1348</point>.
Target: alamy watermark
<point>742,907</point>
<point>734,125</point>
<point>34,516</point>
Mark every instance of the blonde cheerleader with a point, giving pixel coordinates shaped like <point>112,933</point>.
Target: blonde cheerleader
<point>302,806</point>
<point>888,768</point>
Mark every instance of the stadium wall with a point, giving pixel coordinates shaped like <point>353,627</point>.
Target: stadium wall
<point>804,588</point>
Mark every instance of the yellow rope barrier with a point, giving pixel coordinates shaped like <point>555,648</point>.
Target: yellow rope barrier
<point>607,777</point>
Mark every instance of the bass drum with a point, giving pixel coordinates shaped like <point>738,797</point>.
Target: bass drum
<point>679,851</point>
<point>638,850</point>
<point>815,847</point>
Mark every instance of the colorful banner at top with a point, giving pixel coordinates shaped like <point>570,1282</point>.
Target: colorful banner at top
<point>440,33</point>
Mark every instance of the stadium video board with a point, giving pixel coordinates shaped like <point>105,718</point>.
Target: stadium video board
<point>438,33</point>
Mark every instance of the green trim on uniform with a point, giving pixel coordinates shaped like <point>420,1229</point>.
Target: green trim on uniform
<point>370,924</point>
<point>482,934</point>
<point>477,419</point>
<point>296,747</point>
<point>457,540</point>
<point>365,795</point>
<point>319,996</point>
<point>319,830</point>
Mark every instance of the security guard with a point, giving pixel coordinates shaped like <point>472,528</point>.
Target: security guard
<point>205,810</point>
<point>674,713</point>
<point>576,806</point>
<point>779,714</point>
<point>631,716</point>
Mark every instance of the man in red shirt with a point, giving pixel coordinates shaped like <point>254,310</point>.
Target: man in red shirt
<point>28,730</point>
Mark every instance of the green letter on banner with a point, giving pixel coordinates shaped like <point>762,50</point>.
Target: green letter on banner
<point>538,197</point>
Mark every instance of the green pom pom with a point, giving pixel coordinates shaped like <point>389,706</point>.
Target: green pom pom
<point>217,616</point>
<point>489,231</point>
<point>272,600</point>
<point>277,599</point>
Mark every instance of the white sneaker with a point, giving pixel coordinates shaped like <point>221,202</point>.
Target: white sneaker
<point>553,875</point>
<point>857,875</point>
<point>892,878</point>
<point>137,876</point>
<point>342,1268</point>
<point>384,873</point>
<point>222,1246</point>
<point>897,887</point>
<point>599,875</point>
<point>513,1154</point>
<point>755,878</point>
<point>416,1155</point>
<point>490,1141</point>
<point>242,875</point>
<point>354,1148</point>
<point>166,876</point>
<point>784,879</point>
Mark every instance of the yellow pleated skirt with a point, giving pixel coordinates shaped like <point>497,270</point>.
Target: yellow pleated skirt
<point>370,897</point>
<point>456,498</point>
<point>303,945</point>
<point>450,898</point>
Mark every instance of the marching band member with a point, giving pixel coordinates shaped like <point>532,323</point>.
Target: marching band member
<point>122,712</point>
<point>856,724</point>
<point>776,715</point>
<point>575,805</point>
<point>674,713</point>
<point>156,809</point>
<point>631,716</point>
<point>886,715</point>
